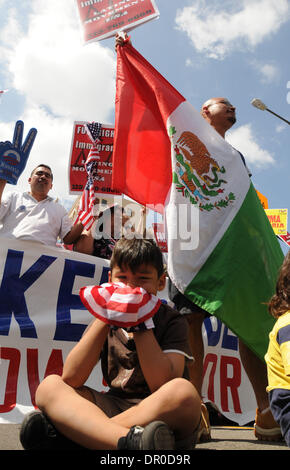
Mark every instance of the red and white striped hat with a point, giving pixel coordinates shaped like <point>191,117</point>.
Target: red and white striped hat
<point>118,304</point>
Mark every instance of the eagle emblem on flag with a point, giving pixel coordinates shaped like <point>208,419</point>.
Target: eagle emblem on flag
<point>197,174</point>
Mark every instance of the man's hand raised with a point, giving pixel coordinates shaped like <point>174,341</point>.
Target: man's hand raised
<point>14,155</point>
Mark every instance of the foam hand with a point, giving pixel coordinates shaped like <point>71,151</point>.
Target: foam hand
<point>14,155</point>
<point>119,305</point>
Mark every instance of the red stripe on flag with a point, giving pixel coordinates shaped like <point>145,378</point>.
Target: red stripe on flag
<point>86,204</point>
<point>142,153</point>
<point>99,301</point>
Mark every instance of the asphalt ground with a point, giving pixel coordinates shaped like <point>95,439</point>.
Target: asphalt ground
<point>223,438</point>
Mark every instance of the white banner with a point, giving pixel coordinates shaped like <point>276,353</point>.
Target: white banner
<point>225,381</point>
<point>42,318</point>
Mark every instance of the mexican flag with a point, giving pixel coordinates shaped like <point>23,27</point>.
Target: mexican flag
<point>222,251</point>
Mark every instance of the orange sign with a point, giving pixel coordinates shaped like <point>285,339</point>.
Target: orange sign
<point>263,199</point>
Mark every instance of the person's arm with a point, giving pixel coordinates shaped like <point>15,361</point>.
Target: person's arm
<point>157,366</point>
<point>85,244</point>
<point>73,235</point>
<point>84,356</point>
<point>2,186</point>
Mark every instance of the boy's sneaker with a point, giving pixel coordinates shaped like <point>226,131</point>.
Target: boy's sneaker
<point>38,433</point>
<point>155,436</point>
<point>265,427</point>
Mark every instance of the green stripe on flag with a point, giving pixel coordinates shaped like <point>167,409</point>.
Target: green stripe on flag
<point>239,277</point>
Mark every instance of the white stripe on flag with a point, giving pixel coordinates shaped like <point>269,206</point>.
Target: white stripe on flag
<point>212,224</point>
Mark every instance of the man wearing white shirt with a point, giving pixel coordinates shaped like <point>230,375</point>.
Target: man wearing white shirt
<point>34,215</point>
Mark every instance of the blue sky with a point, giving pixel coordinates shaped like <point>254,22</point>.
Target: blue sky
<point>205,48</point>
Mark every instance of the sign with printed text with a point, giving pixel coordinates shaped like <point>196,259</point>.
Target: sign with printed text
<point>101,19</point>
<point>80,148</point>
<point>160,237</point>
<point>278,220</point>
<point>285,238</point>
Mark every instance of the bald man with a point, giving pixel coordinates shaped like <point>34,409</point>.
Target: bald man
<point>220,114</point>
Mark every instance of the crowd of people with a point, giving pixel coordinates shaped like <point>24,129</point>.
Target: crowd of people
<point>154,367</point>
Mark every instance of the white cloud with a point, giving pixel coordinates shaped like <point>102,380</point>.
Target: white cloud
<point>62,81</point>
<point>218,28</point>
<point>269,72</point>
<point>244,140</point>
<point>189,63</point>
<point>280,128</point>
<point>52,67</point>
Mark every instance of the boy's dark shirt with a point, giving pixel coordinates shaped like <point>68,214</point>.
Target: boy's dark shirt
<point>120,365</point>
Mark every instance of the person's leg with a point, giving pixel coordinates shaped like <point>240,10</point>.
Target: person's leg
<point>74,414</point>
<point>195,368</point>
<point>266,427</point>
<point>280,406</point>
<point>256,371</point>
<point>177,403</point>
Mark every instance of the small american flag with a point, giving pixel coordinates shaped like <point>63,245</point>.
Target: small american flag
<point>87,201</point>
<point>120,305</point>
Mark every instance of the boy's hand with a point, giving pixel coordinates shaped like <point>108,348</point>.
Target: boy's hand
<point>146,325</point>
<point>14,155</point>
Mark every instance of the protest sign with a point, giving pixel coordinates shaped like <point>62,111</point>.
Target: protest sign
<point>101,19</point>
<point>160,237</point>
<point>80,148</point>
<point>285,238</point>
<point>42,318</point>
<point>278,220</point>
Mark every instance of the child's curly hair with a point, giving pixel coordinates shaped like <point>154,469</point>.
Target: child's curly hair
<point>280,302</point>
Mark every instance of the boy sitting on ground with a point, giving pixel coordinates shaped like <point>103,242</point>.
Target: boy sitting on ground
<point>149,404</point>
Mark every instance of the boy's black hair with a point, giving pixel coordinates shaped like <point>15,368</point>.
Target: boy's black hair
<point>133,252</point>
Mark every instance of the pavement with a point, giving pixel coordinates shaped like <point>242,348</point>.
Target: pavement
<point>224,438</point>
<point>230,438</point>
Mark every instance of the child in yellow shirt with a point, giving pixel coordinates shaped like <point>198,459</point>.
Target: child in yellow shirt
<point>278,354</point>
